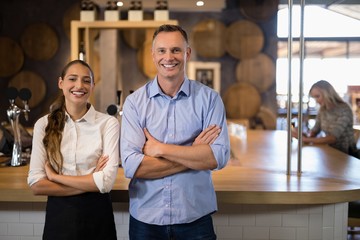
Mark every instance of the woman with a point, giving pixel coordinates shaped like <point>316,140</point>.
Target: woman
<point>74,161</point>
<point>334,119</point>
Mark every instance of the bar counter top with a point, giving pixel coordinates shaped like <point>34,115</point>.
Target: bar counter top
<point>256,174</point>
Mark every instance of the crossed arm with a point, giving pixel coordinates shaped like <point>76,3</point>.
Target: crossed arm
<point>65,185</point>
<point>162,159</point>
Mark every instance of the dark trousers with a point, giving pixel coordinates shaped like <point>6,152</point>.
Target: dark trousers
<point>201,229</point>
<point>87,216</point>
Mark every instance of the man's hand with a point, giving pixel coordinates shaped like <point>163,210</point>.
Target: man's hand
<point>208,136</point>
<point>152,146</point>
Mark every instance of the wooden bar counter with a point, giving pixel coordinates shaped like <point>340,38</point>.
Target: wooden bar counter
<point>255,175</point>
<point>256,198</point>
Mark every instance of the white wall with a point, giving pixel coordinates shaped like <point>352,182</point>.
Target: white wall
<point>25,221</point>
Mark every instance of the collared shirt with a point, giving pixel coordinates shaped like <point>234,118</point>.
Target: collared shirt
<point>83,142</point>
<point>182,197</point>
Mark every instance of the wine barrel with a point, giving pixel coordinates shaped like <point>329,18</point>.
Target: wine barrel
<point>145,61</point>
<point>32,81</point>
<point>134,37</point>
<point>268,118</point>
<point>259,71</point>
<point>208,38</point>
<point>244,39</point>
<point>11,57</point>
<point>39,41</point>
<point>242,100</point>
<point>259,11</point>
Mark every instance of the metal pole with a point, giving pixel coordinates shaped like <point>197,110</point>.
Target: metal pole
<point>289,116</point>
<point>301,88</point>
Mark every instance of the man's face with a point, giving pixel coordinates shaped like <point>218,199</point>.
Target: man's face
<point>170,54</point>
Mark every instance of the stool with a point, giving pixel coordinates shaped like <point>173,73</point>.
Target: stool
<point>354,217</point>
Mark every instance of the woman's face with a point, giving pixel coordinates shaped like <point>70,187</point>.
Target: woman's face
<point>77,85</point>
<point>317,95</point>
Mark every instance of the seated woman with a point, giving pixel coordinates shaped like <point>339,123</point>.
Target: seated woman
<point>334,119</point>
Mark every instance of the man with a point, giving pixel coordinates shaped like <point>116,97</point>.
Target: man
<point>173,134</point>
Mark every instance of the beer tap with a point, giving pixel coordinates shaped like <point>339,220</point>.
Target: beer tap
<point>25,95</point>
<point>13,114</point>
<point>115,110</point>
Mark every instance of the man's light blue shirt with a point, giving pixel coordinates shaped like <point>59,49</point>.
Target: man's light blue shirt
<point>182,197</point>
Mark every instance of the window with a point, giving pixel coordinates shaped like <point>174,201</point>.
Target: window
<point>331,50</point>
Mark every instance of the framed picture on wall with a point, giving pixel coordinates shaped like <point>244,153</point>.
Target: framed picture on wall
<point>207,73</point>
<point>355,102</point>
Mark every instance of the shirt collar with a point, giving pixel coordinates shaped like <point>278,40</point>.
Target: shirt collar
<point>156,90</point>
<point>88,117</point>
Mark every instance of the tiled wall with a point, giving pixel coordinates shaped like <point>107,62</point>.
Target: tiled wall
<point>25,221</point>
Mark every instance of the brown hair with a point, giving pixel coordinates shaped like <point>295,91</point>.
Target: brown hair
<point>171,28</point>
<point>56,123</point>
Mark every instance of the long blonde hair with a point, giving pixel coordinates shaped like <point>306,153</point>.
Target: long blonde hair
<point>331,97</point>
<point>56,123</point>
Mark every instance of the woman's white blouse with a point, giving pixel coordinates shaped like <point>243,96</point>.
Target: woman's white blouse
<point>83,143</point>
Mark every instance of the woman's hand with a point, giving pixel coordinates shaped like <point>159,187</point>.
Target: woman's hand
<point>306,138</point>
<point>50,172</point>
<point>294,132</point>
<point>208,135</point>
<point>101,163</point>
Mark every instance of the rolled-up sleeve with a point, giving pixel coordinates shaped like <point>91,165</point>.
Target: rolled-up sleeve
<point>221,146</point>
<point>105,179</point>
<point>132,140</point>
<point>38,153</point>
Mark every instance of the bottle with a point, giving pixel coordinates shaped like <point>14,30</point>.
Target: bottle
<point>138,5</point>
<point>82,51</point>
<point>158,5</point>
<point>161,5</point>
<point>165,5</point>
<point>91,6</point>
<point>83,5</point>
<point>108,5</point>
<point>132,5</point>
<point>118,97</point>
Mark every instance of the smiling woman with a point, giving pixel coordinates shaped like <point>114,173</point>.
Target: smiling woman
<point>62,163</point>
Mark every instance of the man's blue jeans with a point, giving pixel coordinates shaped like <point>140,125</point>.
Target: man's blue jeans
<point>201,229</point>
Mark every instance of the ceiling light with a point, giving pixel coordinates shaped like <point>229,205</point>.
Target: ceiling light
<point>119,3</point>
<point>200,3</point>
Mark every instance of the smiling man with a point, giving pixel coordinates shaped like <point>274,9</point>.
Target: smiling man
<point>173,135</point>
